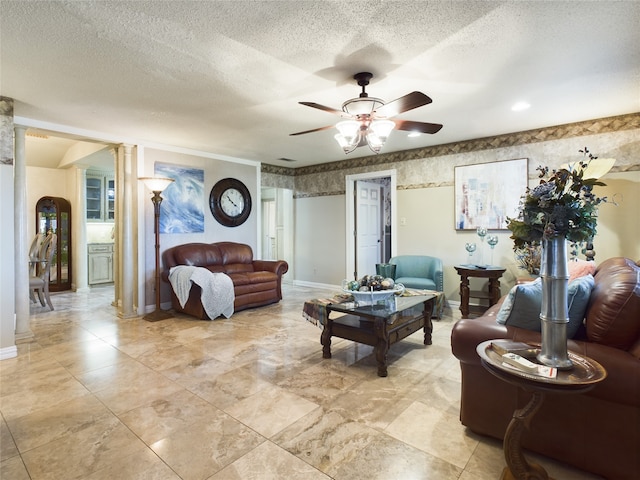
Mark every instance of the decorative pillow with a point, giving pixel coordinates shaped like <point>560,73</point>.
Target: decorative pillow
<point>521,308</point>
<point>579,268</point>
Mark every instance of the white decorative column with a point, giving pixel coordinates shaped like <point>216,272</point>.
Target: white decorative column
<point>79,228</point>
<point>21,254</point>
<point>126,261</point>
<point>116,228</point>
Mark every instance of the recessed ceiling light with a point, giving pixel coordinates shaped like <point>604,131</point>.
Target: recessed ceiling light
<point>414,134</point>
<point>520,106</point>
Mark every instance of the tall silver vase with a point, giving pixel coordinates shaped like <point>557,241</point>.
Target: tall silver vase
<point>554,312</point>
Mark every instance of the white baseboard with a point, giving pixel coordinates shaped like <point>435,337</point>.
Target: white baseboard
<point>8,352</point>
<point>302,283</point>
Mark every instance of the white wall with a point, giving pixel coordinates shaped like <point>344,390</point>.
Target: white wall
<point>7,265</point>
<point>320,255</point>
<point>214,170</point>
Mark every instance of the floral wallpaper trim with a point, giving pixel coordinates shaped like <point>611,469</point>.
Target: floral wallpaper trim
<point>588,127</point>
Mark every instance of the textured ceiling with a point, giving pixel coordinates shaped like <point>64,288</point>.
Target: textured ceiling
<point>226,76</point>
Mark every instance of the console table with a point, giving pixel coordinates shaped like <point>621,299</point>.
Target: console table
<point>490,272</point>
<point>582,377</point>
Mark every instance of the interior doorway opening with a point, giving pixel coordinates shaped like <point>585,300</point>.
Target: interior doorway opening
<point>371,224</point>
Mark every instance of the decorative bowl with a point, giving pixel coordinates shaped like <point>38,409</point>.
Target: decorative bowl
<point>376,296</point>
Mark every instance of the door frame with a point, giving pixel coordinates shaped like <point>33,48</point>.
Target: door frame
<point>350,181</point>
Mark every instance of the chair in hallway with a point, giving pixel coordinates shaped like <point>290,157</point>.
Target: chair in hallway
<point>34,255</point>
<point>39,277</point>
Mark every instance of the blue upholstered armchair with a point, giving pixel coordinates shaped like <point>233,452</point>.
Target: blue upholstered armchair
<point>419,271</point>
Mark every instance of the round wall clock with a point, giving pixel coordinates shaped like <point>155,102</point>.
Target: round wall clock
<point>230,202</point>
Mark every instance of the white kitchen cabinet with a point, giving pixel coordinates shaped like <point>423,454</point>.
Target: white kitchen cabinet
<point>100,263</point>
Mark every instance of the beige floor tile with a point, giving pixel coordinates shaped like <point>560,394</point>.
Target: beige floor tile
<point>202,449</point>
<point>13,469</point>
<point>83,357</point>
<point>270,410</point>
<point>229,388</point>
<point>8,448</point>
<point>433,431</point>
<point>46,425</point>
<point>160,418</point>
<point>41,396</point>
<point>78,454</point>
<point>269,462</point>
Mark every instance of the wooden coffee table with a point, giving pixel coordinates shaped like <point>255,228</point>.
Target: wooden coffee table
<point>379,325</point>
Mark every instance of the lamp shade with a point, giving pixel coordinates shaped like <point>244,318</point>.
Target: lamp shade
<point>156,184</point>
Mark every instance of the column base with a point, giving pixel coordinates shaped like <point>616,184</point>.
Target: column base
<point>157,315</point>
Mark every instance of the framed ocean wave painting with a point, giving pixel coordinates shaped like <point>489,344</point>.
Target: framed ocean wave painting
<point>182,208</point>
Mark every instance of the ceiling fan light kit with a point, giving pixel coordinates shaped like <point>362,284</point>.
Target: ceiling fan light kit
<point>367,118</point>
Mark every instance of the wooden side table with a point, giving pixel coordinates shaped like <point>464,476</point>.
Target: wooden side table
<point>582,377</point>
<point>493,294</point>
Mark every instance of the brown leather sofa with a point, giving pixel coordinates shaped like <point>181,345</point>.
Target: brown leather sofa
<point>598,431</point>
<point>255,282</point>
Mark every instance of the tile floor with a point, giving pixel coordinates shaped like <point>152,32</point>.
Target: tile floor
<point>98,397</point>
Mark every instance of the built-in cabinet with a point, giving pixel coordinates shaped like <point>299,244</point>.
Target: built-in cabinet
<point>100,263</point>
<point>100,194</point>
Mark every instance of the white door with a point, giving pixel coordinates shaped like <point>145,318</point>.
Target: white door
<point>368,227</point>
<point>269,230</point>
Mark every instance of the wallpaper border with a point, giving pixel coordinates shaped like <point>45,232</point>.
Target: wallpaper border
<point>569,130</point>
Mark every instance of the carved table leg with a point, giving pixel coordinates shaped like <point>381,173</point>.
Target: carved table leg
<point>517,466</point>
<point>494,291</point>
<point>464,296</point>
<point>325,338</point>
<point>428,324</point>
<point>382,346</point>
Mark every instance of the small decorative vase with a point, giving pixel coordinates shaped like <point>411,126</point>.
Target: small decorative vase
<point>554,313</point>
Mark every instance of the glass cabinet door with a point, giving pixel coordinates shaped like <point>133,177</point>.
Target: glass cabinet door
<point>94,198</point>
<point>53,215</point>
<point>111,197</point>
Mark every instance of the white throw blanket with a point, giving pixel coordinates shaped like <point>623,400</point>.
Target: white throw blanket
<point>217,289</point>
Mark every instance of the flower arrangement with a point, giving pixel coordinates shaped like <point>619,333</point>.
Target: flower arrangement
<point>563,204</point>
<point>529,257</point>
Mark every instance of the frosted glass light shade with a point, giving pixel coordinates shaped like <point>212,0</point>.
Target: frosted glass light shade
<point>156,184</point>
<point>382,128</point>
<point>346,146</point>
<point>348,129</point>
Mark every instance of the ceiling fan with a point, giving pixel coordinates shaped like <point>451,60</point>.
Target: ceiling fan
<point>367,118</point>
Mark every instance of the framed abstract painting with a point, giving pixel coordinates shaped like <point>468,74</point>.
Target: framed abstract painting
<point>487,193</point>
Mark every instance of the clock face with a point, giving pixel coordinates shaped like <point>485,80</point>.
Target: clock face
<point>230,202</point>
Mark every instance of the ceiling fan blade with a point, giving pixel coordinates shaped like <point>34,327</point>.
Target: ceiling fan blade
<point>322,107</point>
<point>314,130</point>
<point>417,126</point>
<point>403,104</point>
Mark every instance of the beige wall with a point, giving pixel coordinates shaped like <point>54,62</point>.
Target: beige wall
<point>425,198</point>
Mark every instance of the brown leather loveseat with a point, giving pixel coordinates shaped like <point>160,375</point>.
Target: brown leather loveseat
<point>598,431</point>
<point>255,282</point>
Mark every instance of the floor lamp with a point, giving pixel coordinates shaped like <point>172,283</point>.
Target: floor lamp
<point>157,185</point>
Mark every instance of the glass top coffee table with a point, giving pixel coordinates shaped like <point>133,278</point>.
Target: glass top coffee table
<point>379,325</point>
